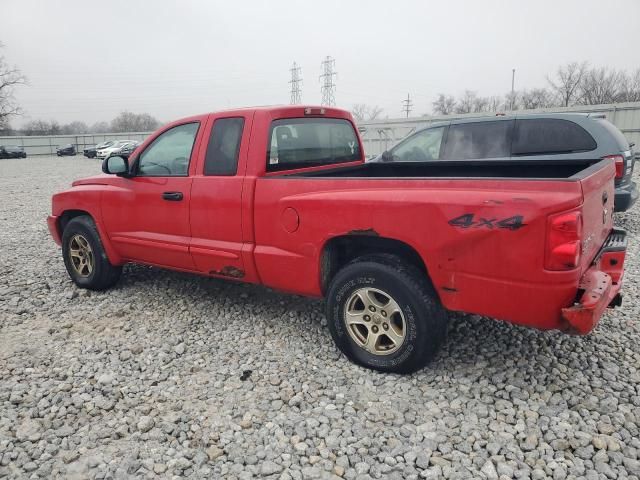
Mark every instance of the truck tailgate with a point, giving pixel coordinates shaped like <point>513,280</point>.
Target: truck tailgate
<point>597,209</point>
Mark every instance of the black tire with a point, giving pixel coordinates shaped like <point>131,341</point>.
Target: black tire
<point>425,319</point>
<point>103,274</point>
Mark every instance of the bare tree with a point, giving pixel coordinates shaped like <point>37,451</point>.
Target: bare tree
<point>134,122</point>
<point>364,113</point>
<point>630,87</point>
<point>536,98</point>
<point>481,104</point>
<point>600,85</point>
<point>37,127</point>
<point>444,104</point>
<point>466,102</point>
<point>495,103</point>
<point>100,127</point>
<point>10,77</point>
<point>566,83</point>
<point>512,100</point>
<point>54,128</point>
<point>74,128</point>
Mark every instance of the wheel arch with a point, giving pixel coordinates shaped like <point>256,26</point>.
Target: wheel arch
<point>67,215</point>
<point>341,250</point>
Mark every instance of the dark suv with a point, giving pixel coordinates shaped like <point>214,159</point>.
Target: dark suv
<point>530,137</point>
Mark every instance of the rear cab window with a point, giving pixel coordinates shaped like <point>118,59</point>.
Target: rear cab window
<point>311,142</point>
<point>548,136</point>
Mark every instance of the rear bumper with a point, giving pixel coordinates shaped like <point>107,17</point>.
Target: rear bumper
<point>52,223</point>
<point>626,196</point>
<point>599,286</point>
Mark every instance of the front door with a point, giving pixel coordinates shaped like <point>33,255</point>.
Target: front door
<point>147,215</point>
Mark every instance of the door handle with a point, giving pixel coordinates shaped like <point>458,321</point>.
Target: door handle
<point>172,196</point>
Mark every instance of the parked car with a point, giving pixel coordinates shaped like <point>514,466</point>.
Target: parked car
<point>68,149</point>
<point>281,196</point>
<point>90,152</point>
<point>103,153</point>
<point>12,151</point>
<point>527,138</point>
<point>125,150</point>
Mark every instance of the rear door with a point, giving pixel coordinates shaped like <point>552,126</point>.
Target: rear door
<point>147,215</point>
<point>216,197</point>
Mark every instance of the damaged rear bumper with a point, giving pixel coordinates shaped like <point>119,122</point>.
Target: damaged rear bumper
<point>600,285</point>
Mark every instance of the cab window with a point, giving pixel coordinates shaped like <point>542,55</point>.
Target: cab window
<point>224,146</point>
<point>169,154</point>
<point>310,142</point>
<point>477,140</point>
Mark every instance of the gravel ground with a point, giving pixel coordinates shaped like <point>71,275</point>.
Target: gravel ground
<point>175,375</point>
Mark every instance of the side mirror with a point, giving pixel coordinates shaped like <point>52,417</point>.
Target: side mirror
<point>115,166</point>
<point>386,156</point>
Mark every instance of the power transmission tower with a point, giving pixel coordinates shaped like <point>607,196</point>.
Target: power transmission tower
<point>328,89</point>
<point>296,84</point>
<point>407,105</point>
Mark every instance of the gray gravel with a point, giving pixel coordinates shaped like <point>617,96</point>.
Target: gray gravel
<point>174,375</point>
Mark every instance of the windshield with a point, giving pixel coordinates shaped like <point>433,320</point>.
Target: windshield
<point>421,146</point>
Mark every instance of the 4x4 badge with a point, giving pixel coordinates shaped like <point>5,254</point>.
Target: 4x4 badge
<point>468,220</point>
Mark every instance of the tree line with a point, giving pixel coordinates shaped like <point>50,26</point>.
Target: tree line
<point>576,83</point>
<point>123,123</point>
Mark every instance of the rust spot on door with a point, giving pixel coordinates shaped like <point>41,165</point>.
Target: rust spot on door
<point>228,271</point>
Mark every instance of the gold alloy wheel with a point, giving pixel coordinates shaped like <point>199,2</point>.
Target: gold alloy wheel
<point>375,321</point>
<point>81,255</point>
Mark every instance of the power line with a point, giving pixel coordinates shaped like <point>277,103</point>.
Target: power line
<point>328,88</point>
<point>407,105</point>
<point>296,84</point>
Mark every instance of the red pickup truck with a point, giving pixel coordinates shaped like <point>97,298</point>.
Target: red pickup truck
<point>281,196</point>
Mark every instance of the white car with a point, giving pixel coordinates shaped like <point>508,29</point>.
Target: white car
<point>105,152</point>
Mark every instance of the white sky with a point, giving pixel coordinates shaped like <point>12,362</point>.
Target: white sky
<point>90,59</point>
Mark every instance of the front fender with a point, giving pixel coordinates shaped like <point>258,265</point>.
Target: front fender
<point>76,200</point>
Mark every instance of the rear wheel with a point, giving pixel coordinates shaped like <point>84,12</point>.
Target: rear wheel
<point>84,256</point>
<point>383,314</point>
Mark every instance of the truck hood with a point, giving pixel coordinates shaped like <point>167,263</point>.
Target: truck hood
<point>96,180</point>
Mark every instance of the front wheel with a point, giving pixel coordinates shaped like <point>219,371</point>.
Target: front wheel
<point>384,315</point>
<point>84,256</point>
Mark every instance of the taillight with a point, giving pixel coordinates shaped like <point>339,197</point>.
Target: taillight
<point>563,241</point>
<point>619,159</point>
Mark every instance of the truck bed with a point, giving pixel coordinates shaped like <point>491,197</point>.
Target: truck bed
<point>562,170</point>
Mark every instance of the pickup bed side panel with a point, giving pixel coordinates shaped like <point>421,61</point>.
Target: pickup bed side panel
<point>482,240</point>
